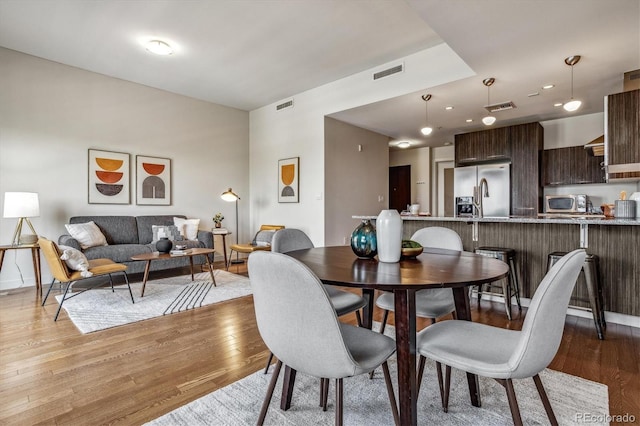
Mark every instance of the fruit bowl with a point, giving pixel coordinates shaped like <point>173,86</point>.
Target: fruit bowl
<point>410,248</point>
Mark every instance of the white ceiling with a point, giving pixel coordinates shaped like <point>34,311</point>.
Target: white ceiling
<point>250,53</point>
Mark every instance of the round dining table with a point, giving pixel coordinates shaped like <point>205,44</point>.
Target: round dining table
<point>434,268</point>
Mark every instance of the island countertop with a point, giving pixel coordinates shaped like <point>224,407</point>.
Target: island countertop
<point>560,219</point>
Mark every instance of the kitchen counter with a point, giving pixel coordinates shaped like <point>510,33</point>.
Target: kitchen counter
<point>566,219</point>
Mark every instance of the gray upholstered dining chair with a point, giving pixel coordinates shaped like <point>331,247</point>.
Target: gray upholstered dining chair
<point>430,303</point>
<point>504,354</point>
<point>286,293</point>
<point>344,302</point>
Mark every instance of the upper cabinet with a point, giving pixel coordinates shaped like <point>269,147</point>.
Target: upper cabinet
<point>622,135</point>
<point>482,146</point>
<point>570,166</point>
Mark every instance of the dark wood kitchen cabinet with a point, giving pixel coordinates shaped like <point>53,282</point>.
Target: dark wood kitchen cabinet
<point>622,141</point>
<point>482,146</point>
<point>569,166</point>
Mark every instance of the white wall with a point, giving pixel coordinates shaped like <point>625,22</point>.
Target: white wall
<point>299,131</point>
<point>51,114</point>
<point>441,154</point>
<point>356,174</point>
<point>420,161</point>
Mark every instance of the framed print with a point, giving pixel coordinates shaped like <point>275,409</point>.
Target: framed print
<point>288,172</point>
<point>109,177</point>
<point>153,181</point>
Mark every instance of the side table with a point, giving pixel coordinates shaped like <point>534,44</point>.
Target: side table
<point>220,239</point>
<point>35,255</point>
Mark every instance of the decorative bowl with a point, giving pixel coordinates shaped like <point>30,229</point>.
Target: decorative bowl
<point>410,248</point>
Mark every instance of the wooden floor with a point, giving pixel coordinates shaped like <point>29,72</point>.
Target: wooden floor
<point>50,373</point>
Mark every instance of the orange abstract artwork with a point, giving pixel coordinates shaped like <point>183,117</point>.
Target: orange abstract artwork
<point>288,180</point>
<point>108,177</point>
<point>153,180</point>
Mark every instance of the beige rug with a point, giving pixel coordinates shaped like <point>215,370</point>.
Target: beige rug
<point>99,309</point>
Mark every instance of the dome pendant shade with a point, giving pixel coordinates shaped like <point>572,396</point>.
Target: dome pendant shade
<point>573,104</point>
<point>489,119</point>
<point>426,130</point>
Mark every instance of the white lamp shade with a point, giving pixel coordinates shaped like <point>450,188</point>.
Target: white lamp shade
<point>21,204</point>
<point>489,120</point>
<point>426,130</point>
<point>572,105</point>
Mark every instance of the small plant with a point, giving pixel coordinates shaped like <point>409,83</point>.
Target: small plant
<point>218,218</point>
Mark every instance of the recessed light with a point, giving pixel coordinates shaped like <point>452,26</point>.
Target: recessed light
<point>469,120</point>
<point>159,47</point>
<point>557,104</point>
<point>403,144</point>
<point>531,95</point>
<point>447,143</point>
<point>548,86</point>
<point>448,108</point>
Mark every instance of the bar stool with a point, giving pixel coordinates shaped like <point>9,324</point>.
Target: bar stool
<point>510,286</point>
<point>591,271</point>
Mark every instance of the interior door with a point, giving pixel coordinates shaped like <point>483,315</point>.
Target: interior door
<point>399,187</point>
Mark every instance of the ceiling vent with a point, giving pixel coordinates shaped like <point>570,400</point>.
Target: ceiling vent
<point>390,71</point>
<point>502,106</point>
<point>285,105</point>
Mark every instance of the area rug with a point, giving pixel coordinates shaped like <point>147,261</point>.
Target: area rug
<point>366,402</point>
<point>101,308</point>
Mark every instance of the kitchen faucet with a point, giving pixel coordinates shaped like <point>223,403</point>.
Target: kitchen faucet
<point>478,195</point>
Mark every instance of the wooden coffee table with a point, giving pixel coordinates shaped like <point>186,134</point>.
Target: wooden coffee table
<point>149,257</point>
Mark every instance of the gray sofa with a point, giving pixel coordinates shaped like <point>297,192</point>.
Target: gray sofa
<point>130,235</point>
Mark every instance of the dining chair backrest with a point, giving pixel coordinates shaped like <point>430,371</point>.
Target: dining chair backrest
<point>290,239</point>
<point>438,237</point>
<point>544,323</point>
<point>295,317</point>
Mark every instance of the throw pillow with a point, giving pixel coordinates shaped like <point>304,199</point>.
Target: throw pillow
<point>88,234</point>
<point>76,260</point>
<point>165,231</point>
<point>188,227</point>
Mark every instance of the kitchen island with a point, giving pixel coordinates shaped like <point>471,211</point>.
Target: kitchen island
<point>615,241</point>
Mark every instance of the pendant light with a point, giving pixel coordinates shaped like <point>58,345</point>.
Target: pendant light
<point>489,119</point>
<point>572,105</point>
<point>426,130</point>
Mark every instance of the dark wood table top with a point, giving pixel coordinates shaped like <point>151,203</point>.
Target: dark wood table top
<point>156,255</point>
<point>432,269</point>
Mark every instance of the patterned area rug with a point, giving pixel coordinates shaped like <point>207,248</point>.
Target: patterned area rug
<point>366,402</point>
<point>101,308</point>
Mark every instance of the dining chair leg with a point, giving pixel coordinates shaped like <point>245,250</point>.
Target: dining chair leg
<point>513,402</point>
<point>267,398</point>
<point>339,408</point>
<point>359,318</point>
<point>266,368</point>
<point>384,321</point>
<point>324,393</point>
<point>421,364</point>
<point>545,400</point>
<point>392,395</point>
<point>447,387</point>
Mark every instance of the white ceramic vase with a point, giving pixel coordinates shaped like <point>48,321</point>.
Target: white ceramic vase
<point>389,236</point>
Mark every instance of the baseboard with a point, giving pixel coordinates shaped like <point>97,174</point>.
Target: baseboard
<point>610,317</point>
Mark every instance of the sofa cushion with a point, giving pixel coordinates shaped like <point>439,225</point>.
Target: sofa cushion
<point>144,226</point>
<point>87,234</point>
<point>117,229</point>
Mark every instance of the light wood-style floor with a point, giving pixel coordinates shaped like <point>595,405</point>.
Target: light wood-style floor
<point>50,373</point>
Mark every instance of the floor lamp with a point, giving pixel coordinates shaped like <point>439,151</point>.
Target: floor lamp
<point>22,205</point>
<point>231,196</point>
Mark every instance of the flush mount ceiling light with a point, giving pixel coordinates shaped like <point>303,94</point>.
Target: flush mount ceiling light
<point>572,105</point>
<point>403,144</point>
<point>426,130</point>
<point>158,47</point>
<point>489,119</point>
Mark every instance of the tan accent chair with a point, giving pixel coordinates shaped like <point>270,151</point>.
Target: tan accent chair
<point>61,273</point>
<point>262,241</point>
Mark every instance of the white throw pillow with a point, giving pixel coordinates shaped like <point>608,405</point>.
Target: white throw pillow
<point>188,227</point>
<point>87,234</point>
<point>76,260</point>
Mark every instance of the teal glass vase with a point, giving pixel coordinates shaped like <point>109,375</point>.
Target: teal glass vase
<point>364,241</point>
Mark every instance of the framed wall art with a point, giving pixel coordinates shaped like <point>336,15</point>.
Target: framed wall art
<point>153,181</point>
<point>109,177</point>
<point>288,172</point>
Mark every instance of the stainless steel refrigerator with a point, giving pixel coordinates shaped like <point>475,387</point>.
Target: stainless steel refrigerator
<point>467,190</point>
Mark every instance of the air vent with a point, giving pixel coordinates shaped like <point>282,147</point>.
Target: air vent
<point>502,106</point>
<point>285,105</point>
<point>390,71</point>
